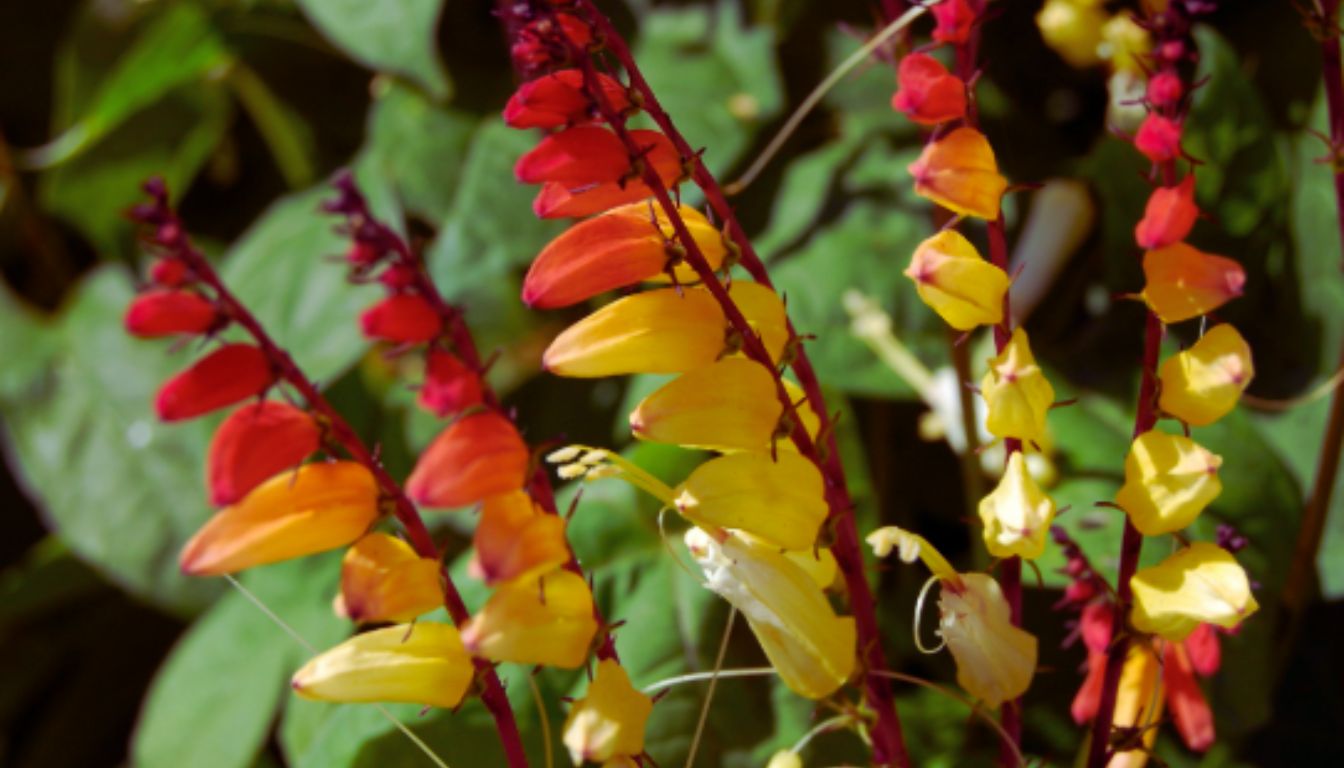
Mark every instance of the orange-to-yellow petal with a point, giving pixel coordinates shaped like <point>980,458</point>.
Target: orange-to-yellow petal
<point>1016,392</point>
<point>315,508</point>
<point>477,456</point>
<point>1183,282</point>
<point>1202,384</point>
<point>545,621</point>
<point>952,278</point>
<point>780,500</point>
<point>958,172</point>
<point>383,579</point>
<point>1201,584</point>
<point>516,540</point>
<point>422,663</point>
<point>1169,480</point>
<point>730,405</point>
<point>608,722</point>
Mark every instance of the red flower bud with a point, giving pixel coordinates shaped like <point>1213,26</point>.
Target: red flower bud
<point>954,19</point>
<point>536,43</point>
<point>1169,217</point>
<point>1165,89</point>
<point>164,313</point>
<point>1095,626</point>
<point>584,155</point>
<point>168,272</point>
<point>362,254</point>
<point>558,99</point>
<point>397,277</point>
<point>476,456</point>
<point>928,93</point>
<point>254,444</point>
<point>403,318</point>
<point>232,373</point>
<point>450,387</point>
<point>1159,138</point>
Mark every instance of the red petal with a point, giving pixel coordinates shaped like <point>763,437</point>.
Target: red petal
<point>475,457</point>
<point>230,374</point>
<point>1169,216</point>
<point>1189,709</point>
<point>450,387</point>
<point>404,318</point>
<point>165,313</point>
<point>255,443</point>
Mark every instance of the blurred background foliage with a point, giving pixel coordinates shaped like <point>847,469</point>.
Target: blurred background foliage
<point>109,656</point>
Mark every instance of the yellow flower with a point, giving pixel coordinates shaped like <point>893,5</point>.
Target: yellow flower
<point>516,540</point>
<point>608,722</point>
<point>1202,384</point>
<point>383,579</point>
<point>1017,394</point>
<point>958,172</point>
<point>1126,44</point>
<point>548,621</point>
<point>422,663</point>
<point>315,508</point>
<point>780,500</point>
<point>1201,584</point>
<point>1016,514</point>
<point>1169,480</point>
<point>730,405</point>
<point>1072,28</point>
<point>811,648</point>
<point>952,278</point>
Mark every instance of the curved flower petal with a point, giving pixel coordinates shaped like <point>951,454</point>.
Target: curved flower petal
<point>1202,583</point>
<point>1202,384</point>
<point>780,500</point>
<point>958,172</point>
<point>608,722</point>
<point>476,456</point>
<point>952,278</point>
<point>548,621</point>
<point>1017,514</point>
<point>1169,480</point>
<point>421,663</point>
<point>730,405</point>
<point>995,660</point>
<point>384,579</point>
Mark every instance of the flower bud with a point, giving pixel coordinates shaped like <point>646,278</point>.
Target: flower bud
<point>1169,215</point>
<point>1159,138</point>
<point>1165,89</point>
<point>928,94</point>
<point>608,722</point>
<point>383,579</point>
<point>535,45</point>
<point>1072,29</point>
<point>316,508</point>
<point>1184,282</point>
<point>1202,384</point>
<point>1201,583</point>
<point>811,648</point>
<point>1017,394</point>
<point>450,387</point>
<point>476,456</point>
<point>730,405</point>
<point>558,99</point>
<point>587,170</point>
<point>1169,480</point>
<point>952,278</point>
<point>231,373</point>
<point>995,660</point>
<point>780,500</point>
<point>516,540</point>
<point>421,663</point>
<point>958,172</point>
<point>1190,711</point>
<point>548,621</point>
<point>619,248</point>
<point>257,442</point>
<point>165,313</point>
<point>952,21</point>
<point>1017,514</point>
<point>168,272</point>
<point>403,318</point>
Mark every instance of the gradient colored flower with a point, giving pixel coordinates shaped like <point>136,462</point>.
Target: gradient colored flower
<point>951,277</point>
<point>1169,480</point>
<point>1017,394</point>
<point>780,500</point>
<point>1017,514</point>
<point>169,312</point>
<point>958,172</point>
<point>1169,215</point>
<point>421,663</point>
<point>928,93</point>
<point>230,374</point>
<point>1201,584</point>
<point>403,318</point>
<point>1183,282</point>
<point>1203,383</point>
<point>383,579</point>
<point>257,442</point>
<point>548,621</point>
<point>477,456</point>
<point>608,722</point>
<point>730,405</point>
<point>516,540</point>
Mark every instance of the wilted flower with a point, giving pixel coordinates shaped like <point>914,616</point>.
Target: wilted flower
<point>730,405</point>
<point>1183,282</point>
<point>421,663</point>
<point>1169,480</point>
<point>404,318</point>
<point>547,621</point>
<point>257,442</point>
<point>1202,583</point>
<point>1016,392</point>
<point>232,373</point>
<point>780,500</point>
<point>516,540</point>
<point>384,579</point>
<point>608,722</point>
<point>929,94</point>
<point>958,172</point>
<point>1203,383</point>
<point>168,312</point>
<point>477,456</point>
<point>951,277</point>
<point>1017,513</point>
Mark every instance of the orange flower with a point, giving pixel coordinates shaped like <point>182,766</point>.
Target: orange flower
<point>1169,215</point>
<point>165,313</point>
<point>383,579</point>
<point>548,621</point>
<point>516,540</point>
<point>929,94</point>
<point>232,373</point>
<point>557,99</point>
<point>1184,282</point>
<point>255,443</point>
<point>958,172</point>
<point>402,318</point>
<point>476,456</point>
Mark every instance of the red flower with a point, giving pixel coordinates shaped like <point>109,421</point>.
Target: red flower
<point>1159,138</point>
<point>232,373</point>
<point>954,19</point>
<point>450,387</point>
<point>1164,89</point>
<point>165,313</point>
<point>587,170</point>
<point>168,272</point>
<point>537,43</point>
<point>557,99</point>
<point>928,93</point>
<point>476,456</point>
<point>255,443</point>
<point>404,318</point>
<point>1169,217</point>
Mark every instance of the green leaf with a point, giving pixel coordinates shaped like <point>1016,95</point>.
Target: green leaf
<point>419,147</point>
<point>396,36</point>
<point>30,342</point>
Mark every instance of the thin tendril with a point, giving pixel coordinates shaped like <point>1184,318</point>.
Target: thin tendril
<point>696,677</point>
<point>951,694</point>
<point>713,685</point>
<point>919,612</point>
<point>545,719</point>
<point>307,646</point>
<point>835,723</point>
<point>1287,404</point>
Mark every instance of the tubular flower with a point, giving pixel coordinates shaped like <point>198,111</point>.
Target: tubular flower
<point>383,579</point>
<point>403,318</point>
<point>1190,711</point>
<point>1017,394</point>
<point>166,312</point>
<point>257,442</point>
<point>730,405</point>
<point>608,722</point>
<point>951,277</point>
<point>958,172</point>
<point>558,99</point>
<point>1072,29</point>
<point>230,374</point>
<point>421,663</point>
<point>1016,514</point>
<point>477,456</point>
<point>668,330</point>
<point>810,647</point>
<point>318,507</point>
<point>586,170</point>
<point>450,386</point>
<point>619,248</point>
<point>779,500</point>
<point>1159,138</point>
<point>1183,282</point>
<point>1138,704</point>
<point>929,94</point>
<point>995,660</point>
<point>1168,217</point>
<point>516,541</point>
<point>952,21</point>
<point>1202,583</point>
<point>548,621</point>
<point>1169,480</point>
<point>1202,384</point>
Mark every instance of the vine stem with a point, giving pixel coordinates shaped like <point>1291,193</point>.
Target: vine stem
<point>492,693</point>
<point>888,743</point>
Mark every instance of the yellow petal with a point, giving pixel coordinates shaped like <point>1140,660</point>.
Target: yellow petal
<point>952,278</point>
<point>517,540</point>
<point>730,405</point>
<point>1138,702</point>
<point>995,660</point>
<point>608,722</point>
<point>313,509</point>
<point>1202,583</point>
<point>1169,480</point>
<point>1127,44</point>
<point>780,500</point>
<point>1073,30</point>
<point>819,564</point>
<point>422,663</point>
<point>1202,384</point>
<point>785,759</point>
<point>958,172</point>
<point>1017,513</point>
<point>383,579</point>
<point>811,648</point>
<point>548,621</point>
<point>1017,394</point>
